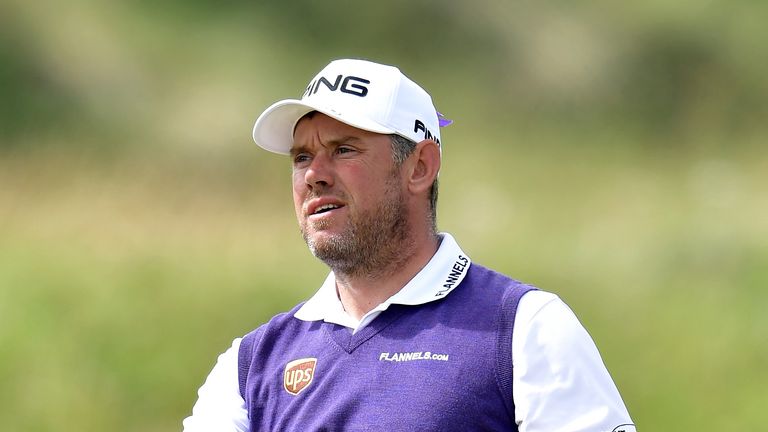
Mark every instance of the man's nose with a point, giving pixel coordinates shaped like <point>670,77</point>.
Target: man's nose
<point>319,172</point>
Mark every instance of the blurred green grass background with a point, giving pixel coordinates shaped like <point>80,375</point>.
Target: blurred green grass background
<point>612,153</point>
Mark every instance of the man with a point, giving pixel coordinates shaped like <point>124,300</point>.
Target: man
<point>406,333</point>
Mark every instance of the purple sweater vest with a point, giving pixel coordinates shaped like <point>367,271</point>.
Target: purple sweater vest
<point>441,366</point>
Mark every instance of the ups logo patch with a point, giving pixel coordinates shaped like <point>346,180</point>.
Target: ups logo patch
<point>298,375</point>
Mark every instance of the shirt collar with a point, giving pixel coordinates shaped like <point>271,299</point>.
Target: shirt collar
<point>442,274</point>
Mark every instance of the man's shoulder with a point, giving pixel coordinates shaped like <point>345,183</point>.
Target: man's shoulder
<point>277,322</point>
<point>486,278</point>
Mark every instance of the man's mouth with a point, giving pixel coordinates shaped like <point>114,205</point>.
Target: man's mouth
<point>326,208</point>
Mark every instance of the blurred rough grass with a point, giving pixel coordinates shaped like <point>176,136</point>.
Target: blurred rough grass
<point>614,154</point>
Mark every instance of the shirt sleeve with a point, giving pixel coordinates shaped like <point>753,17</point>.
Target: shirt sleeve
<point>219,406</point>
<point>560,383</point>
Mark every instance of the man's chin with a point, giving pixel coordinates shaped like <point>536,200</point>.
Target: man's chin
<point>323,240</point>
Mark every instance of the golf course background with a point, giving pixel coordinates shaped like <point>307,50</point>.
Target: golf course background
<point>614,154</point>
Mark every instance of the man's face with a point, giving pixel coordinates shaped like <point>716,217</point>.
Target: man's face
<point>348,195</point>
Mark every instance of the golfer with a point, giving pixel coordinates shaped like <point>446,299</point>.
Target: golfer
<point>406,333</point>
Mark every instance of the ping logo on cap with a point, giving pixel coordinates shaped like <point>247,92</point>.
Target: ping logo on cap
<point>418,125</point>
<point>298,375</point>
<point>350,84</point>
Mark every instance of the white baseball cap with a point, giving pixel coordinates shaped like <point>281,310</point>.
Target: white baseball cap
<point>366,95</point>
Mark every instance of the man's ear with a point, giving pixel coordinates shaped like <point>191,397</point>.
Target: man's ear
<point>424,166</point>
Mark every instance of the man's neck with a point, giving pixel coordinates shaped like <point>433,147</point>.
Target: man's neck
<point>361,293</point>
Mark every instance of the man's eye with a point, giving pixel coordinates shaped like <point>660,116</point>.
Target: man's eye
<point>300,158</point>
<point>342,150</point>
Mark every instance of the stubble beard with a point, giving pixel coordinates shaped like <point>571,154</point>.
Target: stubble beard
<point>373,242</point>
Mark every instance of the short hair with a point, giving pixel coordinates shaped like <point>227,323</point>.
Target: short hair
<point>402,148</point>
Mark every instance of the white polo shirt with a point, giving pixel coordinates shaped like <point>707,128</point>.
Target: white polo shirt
<point>559,381</point>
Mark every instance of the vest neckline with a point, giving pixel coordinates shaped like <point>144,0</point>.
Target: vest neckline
<point>349,342</point>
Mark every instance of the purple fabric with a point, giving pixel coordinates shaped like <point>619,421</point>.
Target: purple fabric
<point>445,365</point>
<point>442,121</point>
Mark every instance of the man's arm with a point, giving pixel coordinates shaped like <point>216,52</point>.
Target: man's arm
<point>560,383</point>
<point>219,406</point>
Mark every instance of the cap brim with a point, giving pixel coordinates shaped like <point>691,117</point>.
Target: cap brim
<point>273,130</point>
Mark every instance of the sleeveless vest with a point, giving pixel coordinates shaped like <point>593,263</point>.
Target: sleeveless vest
<point>445,365</point>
